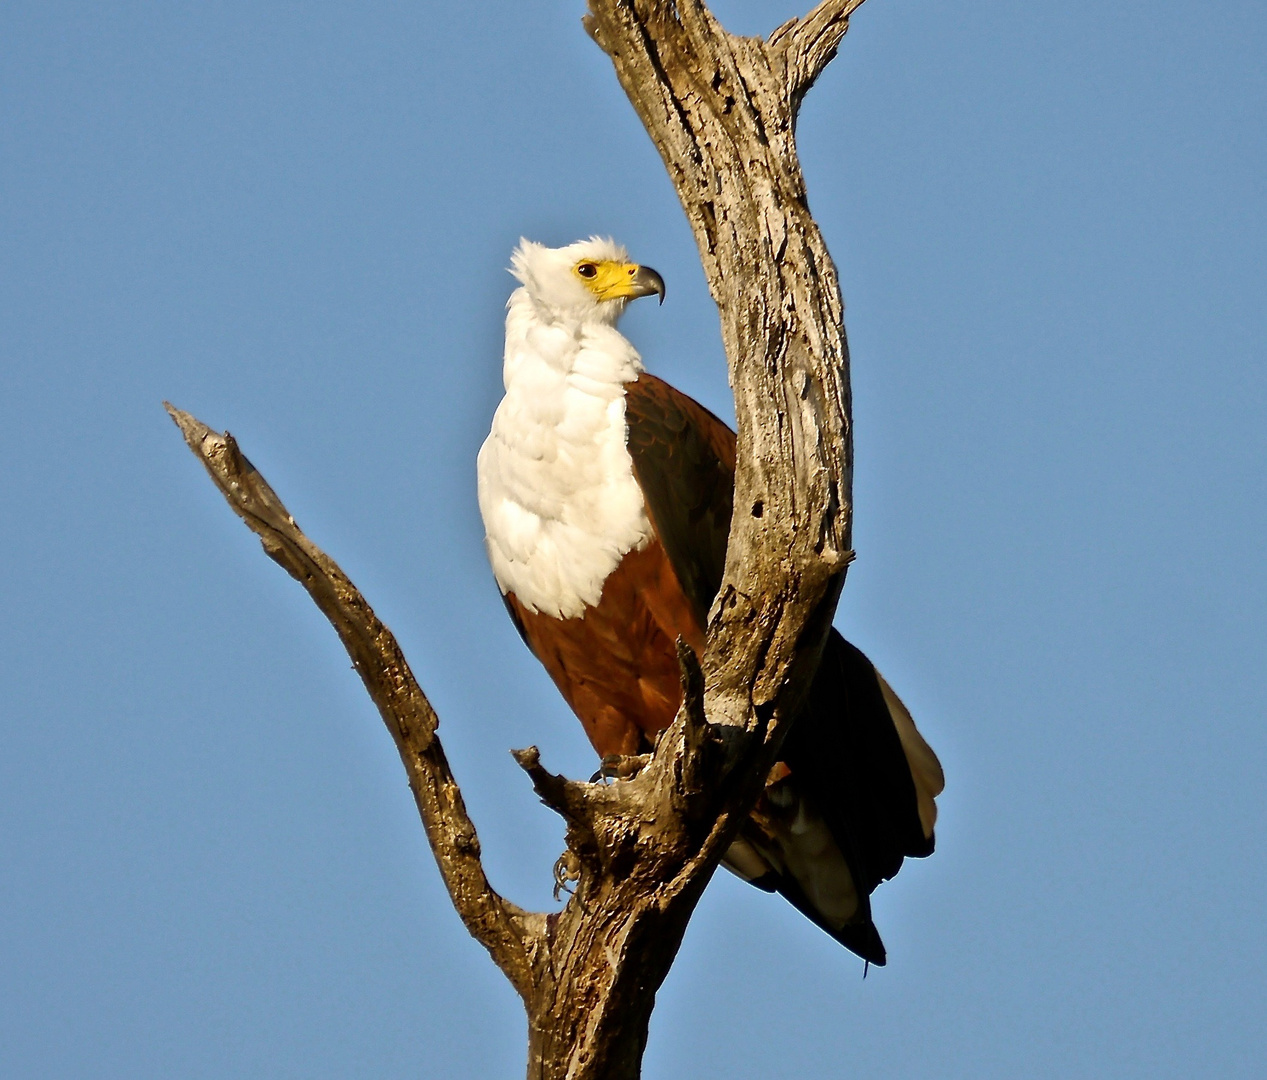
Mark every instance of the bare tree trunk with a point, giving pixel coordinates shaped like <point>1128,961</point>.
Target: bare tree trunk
<point>722,112</point>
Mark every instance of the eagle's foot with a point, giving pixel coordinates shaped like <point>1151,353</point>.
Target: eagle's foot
<point>567,870</point>
<point>620,767</point>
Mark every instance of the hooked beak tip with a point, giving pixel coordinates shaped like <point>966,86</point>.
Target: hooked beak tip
<point>648,282</point>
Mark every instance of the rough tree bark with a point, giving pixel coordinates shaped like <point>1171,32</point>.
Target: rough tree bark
<point>722,112</point>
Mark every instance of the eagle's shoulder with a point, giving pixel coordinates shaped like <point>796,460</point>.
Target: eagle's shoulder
<point>684,461</point>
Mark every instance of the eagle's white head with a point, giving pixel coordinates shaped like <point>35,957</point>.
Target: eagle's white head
<point>589,281</point>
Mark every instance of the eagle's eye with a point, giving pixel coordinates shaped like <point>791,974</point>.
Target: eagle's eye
<point>587,270</point>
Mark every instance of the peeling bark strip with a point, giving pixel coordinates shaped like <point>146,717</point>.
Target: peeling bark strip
<point>722,112</point>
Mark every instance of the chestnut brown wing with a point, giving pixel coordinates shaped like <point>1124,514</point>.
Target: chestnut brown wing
<point>684,461</point>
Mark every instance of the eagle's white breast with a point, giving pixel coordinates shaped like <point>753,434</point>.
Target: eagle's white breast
<point>557,492</point>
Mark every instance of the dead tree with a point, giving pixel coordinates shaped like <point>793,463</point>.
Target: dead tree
<point>722,111</point>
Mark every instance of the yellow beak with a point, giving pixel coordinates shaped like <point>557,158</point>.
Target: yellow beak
<point>626,281</point>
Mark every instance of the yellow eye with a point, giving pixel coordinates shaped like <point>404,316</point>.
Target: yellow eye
<point>587,270</point>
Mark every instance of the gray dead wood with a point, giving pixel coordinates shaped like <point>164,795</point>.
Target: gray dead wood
<point>722,112</point>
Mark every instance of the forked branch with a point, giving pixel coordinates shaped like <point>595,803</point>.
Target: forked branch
<point>721,110</point>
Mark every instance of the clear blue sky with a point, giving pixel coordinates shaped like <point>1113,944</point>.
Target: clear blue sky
<point>293,220</point>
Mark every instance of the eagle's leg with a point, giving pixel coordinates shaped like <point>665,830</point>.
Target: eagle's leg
<point>620,767</point>
<point>567,869</point>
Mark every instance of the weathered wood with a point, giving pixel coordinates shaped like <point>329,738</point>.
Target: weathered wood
<point>722,112</point>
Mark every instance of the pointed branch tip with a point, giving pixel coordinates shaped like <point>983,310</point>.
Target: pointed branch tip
<point>810,43</point>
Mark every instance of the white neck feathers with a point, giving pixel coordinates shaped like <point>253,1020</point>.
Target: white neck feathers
<point>557,492</point>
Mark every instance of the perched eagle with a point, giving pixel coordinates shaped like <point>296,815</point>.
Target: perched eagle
<point>606,497</point>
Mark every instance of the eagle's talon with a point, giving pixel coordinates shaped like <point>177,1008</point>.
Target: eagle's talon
<point>567,869</point>
<point>620,767</point>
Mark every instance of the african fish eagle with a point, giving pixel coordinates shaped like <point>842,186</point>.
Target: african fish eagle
<point>606,497</point>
